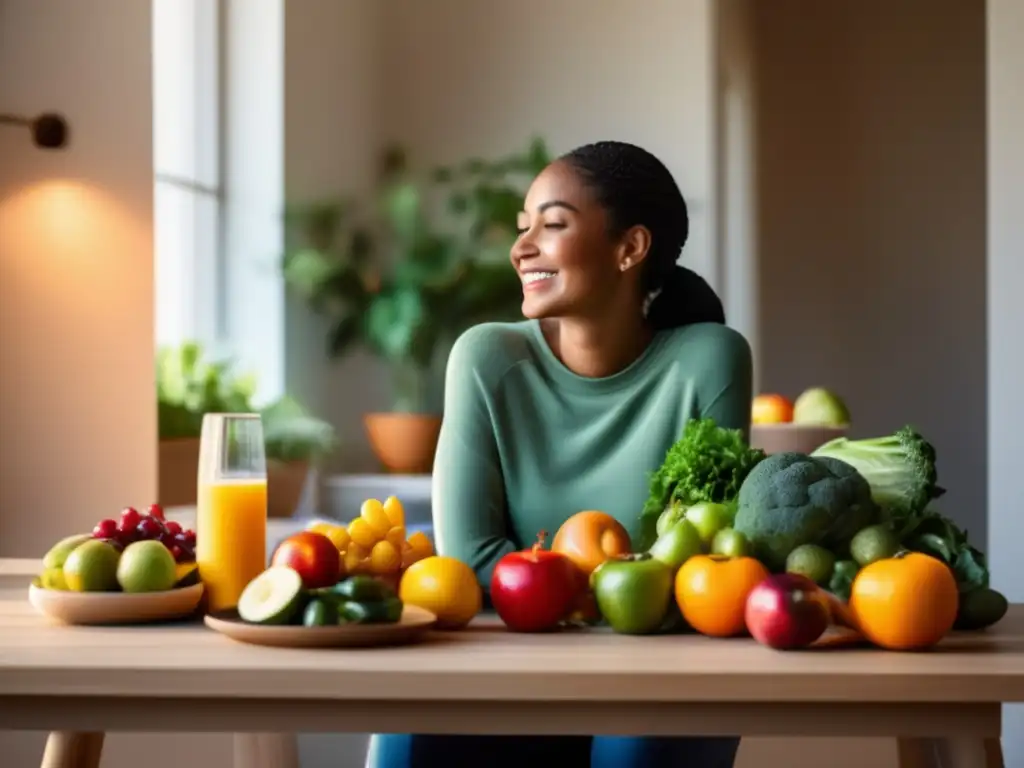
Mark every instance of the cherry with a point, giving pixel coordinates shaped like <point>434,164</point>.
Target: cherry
<point>149,528</point>
<point>105,529</point>
<point>155,510</point>
<point>129,519</point>
<point>190,538</point>
<point>172,526</point>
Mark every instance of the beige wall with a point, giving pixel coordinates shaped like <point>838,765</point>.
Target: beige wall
<point>77,415</point>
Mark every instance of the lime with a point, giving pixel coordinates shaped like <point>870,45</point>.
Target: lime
<point>876,542</point>
<point>812,561</point>
<point>731,543</point>
<point>92,567</point>
<point>147,566</point>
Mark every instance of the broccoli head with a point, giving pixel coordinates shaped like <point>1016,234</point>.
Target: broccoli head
<point>899,468</point>
<point>791,499</point>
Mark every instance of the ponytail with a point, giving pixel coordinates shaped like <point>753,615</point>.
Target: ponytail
<point>683,299</point>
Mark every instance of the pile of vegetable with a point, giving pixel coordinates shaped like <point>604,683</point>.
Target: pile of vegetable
<point>707,464</point>
<point>826,514</point>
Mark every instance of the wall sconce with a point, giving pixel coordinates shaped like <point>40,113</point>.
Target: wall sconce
<point>49,130</point>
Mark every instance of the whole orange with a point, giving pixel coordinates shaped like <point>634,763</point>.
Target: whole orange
<point>907,602</point>
<point>446,587</point>
<point>589,538</point>
<point>712,591</point>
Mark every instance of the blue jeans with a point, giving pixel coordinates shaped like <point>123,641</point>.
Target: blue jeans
<point>396,750</point>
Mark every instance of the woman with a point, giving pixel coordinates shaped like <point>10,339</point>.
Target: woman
<point>572,408</point>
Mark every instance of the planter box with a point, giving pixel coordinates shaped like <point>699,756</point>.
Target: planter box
<point>179,465</point>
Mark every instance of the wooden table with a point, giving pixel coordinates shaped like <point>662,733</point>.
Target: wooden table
<point>943,705</point>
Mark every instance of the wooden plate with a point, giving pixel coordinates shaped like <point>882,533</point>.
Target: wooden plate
<point>115,607</point>
<point>413,625</point>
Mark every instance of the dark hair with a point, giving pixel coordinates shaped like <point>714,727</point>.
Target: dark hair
<point>636,188</point>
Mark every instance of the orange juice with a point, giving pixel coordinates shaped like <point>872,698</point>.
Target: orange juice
<point>231,537</point>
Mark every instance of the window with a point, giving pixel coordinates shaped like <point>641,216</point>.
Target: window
<point>188,196</point>
<point>218,145</point>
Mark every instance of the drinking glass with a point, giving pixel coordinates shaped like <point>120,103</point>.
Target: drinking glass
<point>231,507</point>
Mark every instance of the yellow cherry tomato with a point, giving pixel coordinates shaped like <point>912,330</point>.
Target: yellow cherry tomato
<point>385,558</point>
<point>360,532</point>
<point>338,536</point>
<point>421,544</point>
<point>395,511</point>
<point>396,537</point>
<point>320,526</point>
<point>373,513</point>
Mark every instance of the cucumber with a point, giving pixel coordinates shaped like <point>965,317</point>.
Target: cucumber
<point>387,611</point>
<point>320,613</point>
<point>273,597</point>
<point>980,608</point>
<point>363,589</point>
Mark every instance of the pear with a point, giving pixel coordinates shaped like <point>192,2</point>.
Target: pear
<point>59,552</point>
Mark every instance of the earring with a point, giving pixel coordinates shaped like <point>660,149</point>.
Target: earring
<point>626,264</point>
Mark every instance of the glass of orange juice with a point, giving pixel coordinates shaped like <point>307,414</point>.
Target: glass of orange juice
<point>231,506</point>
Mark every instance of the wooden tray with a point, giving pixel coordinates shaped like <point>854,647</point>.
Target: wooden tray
<point>115,607</point>
<point>413,625</point>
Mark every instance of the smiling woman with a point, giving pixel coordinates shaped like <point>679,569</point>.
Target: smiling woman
<point>573,407</point>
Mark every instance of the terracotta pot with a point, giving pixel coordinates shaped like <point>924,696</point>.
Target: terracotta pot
<point>179,466</point>
<point>404,443</point>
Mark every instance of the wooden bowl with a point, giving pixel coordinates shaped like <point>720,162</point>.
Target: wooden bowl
<point>115,607</point>
<point>413,626</point>
<point>798,438</point>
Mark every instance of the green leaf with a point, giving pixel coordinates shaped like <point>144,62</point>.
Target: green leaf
<point>971,569</point>
<point>343,334</point>
<point>402,206</point>
<point>932,544</point>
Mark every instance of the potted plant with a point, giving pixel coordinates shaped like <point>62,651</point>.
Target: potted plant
<point>188,387</point>
<point>405,275</point>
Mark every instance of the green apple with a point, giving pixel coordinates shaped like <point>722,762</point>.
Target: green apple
<point>59,552</point>
<point>672,514</point>
<point>730,543</point>
<point>709,518</point>
<point>147,566</point>
<point>633,593</point>
<point>678,544</point>
<point>820,407</point>
<point>92,567</point>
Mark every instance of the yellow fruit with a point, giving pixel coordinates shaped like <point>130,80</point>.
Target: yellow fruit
<point>396,537</point>
<point>320,526</point>
<point>373,513</point>
<point>385,558</point>
<point>360,532</point>
<point>420,543</point>
<point>350,560</point>
<point>409,555</point>
<point>338,536</point>
<point>395,512</point>
<point>444,586</point>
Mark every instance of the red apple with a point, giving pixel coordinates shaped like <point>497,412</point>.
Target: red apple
<point>313,556</point>
<point>535,589</point>
<point>787,611</point>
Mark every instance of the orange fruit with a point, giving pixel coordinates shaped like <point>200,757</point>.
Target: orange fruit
<point>712,591</point>
<point>907,602</point>
<point>589,538</point>
<point>446,587</point>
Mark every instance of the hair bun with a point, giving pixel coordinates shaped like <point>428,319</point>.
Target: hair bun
<point>685,298</point>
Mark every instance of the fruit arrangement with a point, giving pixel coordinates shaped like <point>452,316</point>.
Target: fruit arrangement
<point>279,596</point>
<point>137,553</point>
<point>375,543</point>
<point>780,547</point>
<point>815,406</point>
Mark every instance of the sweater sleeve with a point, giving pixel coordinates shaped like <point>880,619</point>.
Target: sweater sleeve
<point>468,490</point>
<point>729,382</point>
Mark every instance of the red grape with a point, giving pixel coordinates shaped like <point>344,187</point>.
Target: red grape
<point>172,526</point>
<point>155,510</point>
<point>105,529</point>
<point>129,519</point>
<point>167,539</point>
<point>149,528</point>
<point>177,552</point>
<point>190,538</point>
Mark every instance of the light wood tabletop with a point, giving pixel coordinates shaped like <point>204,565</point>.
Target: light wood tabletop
<point>944,703</point>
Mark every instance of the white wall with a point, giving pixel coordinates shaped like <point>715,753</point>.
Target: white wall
<point>1006,317</point>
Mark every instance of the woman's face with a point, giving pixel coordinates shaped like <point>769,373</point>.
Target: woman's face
<point>568,263</point>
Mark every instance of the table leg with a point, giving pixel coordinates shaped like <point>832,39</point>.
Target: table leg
<point>950,753</point>
<point>65,749</point>
<point>266,750</point>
